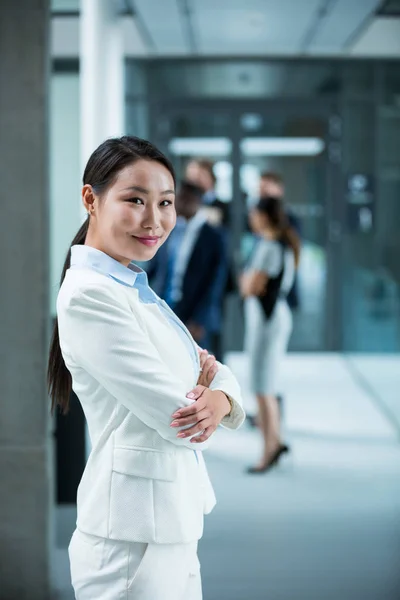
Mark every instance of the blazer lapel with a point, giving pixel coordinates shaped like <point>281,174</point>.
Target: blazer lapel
<point>186,331</point>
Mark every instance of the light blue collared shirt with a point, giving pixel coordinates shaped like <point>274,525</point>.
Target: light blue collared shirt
<point>131,276</point>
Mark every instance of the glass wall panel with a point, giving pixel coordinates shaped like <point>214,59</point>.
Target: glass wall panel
<point>236,100</point>
<point>391,84</point>
<point>370,272</point>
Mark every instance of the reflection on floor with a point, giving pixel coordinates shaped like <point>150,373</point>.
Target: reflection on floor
<point>372,300</point>
<point>324,525</point>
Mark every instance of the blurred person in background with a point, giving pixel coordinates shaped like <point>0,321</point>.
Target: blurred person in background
<point>186,271</point>
<point>201,172</point>
<point>144,385</point>
<point>272,186</point>
<point>268,320</point>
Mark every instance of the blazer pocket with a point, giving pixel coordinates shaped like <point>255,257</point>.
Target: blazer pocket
<point>148,463</point>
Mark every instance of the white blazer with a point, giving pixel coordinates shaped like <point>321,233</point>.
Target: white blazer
<point>131,370</point>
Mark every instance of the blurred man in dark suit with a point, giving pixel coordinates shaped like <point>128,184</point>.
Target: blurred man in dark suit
<point>201,172</point>
<point>185,270</point>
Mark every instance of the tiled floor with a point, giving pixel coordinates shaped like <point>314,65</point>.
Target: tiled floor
<point>380,376</point>
<point>324,525</point>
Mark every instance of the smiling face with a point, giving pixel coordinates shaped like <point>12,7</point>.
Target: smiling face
<point>134,216</point>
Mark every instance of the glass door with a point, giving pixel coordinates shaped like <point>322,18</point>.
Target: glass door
<point>244,140</point>
<point>293,149</point>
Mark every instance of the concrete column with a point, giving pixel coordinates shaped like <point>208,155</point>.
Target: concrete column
<point>101,74</point>
<point>25,465</point>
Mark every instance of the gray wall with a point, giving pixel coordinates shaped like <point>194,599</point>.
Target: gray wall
<point>25,466</point>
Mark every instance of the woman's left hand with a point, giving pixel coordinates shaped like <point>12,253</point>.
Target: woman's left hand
<point>208,368</point>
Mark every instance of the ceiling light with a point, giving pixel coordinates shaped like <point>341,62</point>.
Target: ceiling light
<point>284,146</point>
<point>213,146</point>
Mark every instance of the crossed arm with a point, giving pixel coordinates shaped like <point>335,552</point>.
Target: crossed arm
<point>104,338</point>
<point>212,404</point>
<point>253,283</point>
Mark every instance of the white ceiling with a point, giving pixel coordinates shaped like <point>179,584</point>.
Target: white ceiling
<point>382,34</point>
<point>343,23</point>
<point>240,28</point>
<point>267,26</point>
<point>163,21</point>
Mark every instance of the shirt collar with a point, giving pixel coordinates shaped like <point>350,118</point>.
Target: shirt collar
<point>199,219</point>
<point>86,256</point>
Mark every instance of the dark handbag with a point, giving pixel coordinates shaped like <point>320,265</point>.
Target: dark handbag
<point>273,290</point>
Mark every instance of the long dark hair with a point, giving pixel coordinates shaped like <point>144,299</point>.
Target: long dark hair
<point>102,168</point>
<point>273,209</point>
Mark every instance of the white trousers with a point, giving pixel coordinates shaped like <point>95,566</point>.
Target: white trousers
<point>103,569</point>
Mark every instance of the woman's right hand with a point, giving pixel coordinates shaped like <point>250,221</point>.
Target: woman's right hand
<point>208,368</point>
<point>203,416</point>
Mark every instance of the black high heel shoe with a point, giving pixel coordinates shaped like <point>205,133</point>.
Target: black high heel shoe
<point>282,449</point>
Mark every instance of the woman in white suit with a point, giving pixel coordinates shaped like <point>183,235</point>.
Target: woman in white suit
<point>151,398</point>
